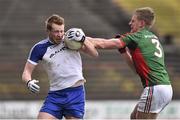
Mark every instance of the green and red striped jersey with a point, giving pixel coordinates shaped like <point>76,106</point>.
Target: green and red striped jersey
<point>148,57</point>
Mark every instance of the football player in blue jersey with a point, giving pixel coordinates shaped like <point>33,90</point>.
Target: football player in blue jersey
<point>66,96</point>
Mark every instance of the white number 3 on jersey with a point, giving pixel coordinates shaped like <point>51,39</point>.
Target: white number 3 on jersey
<point>158,53</point>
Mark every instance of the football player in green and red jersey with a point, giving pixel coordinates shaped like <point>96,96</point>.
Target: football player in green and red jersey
<point>145,55</point>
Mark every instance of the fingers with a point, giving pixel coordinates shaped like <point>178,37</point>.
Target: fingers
<point>76,34</point>
<point>33,87</point>
<point>36,81</point>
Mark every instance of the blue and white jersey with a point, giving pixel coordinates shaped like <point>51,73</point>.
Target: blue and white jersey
<point>63,66</point>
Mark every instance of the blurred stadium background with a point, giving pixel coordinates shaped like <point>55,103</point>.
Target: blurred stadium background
<point>112,88</point>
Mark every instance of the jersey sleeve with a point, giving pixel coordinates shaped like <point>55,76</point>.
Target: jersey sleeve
<point>131,40</point>
<point>36,54</point>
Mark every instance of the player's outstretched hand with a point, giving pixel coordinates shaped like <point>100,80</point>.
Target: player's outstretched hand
<point>76,34</point>
<point>32,86</point>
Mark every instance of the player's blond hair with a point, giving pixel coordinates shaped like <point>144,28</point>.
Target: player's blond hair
<point>56,19</point>
<point>146,14</point>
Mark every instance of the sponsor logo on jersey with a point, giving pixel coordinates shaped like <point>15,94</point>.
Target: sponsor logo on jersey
<point>57,51</point>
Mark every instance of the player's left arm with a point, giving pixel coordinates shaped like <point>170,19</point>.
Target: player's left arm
<point>89,48</point>
<point>101,43</point>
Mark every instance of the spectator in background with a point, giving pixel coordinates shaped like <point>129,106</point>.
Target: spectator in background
<point>66,97</point>
<point>168,42</point>
<point>168,39</point>
<point>144,53</point>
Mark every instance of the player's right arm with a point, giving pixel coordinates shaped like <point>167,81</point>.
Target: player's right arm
<point>128,58</point>
<point>35,55</point>
<point>28,69</point>
<point>26,77</point>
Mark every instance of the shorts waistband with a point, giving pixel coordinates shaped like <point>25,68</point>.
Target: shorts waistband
<point>69,89</point>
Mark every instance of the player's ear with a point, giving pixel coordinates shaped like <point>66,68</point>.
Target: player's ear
<point>142,23</point>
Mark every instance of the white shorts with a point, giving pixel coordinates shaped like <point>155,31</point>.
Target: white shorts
<point>155,98</point>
